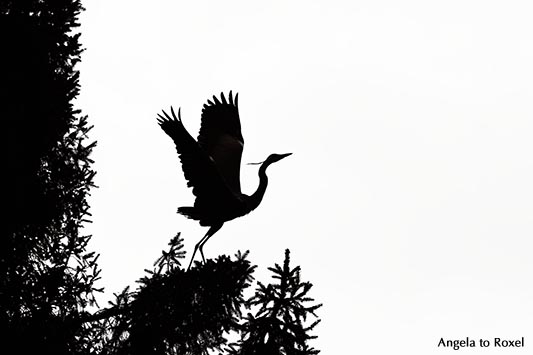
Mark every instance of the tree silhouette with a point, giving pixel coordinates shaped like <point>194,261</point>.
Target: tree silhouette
<point>278,327</point>
<point>48,274</point>
<point>194,311</point>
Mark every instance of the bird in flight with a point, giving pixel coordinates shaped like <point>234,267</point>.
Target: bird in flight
<point>212,163</point>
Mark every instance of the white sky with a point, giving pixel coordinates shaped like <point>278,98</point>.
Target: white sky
<point>408,201</point>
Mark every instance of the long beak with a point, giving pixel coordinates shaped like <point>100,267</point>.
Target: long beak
<point>285,155</point>
<point>280,156</point>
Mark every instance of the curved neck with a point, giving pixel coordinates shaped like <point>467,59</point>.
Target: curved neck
<point>256,198</point>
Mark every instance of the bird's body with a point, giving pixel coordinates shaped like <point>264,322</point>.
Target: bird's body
<point>211,165</point>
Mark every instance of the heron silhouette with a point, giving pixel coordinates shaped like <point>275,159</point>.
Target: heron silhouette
<point>212,165</point>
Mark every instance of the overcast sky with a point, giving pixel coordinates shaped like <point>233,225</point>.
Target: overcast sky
<point>408,201</point>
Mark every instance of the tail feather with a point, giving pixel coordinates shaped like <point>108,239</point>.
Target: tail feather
<point>189,212</point>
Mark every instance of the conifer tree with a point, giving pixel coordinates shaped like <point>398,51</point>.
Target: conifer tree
<point>279,325</point>
<point>174,311</point>
<point>47,273</point>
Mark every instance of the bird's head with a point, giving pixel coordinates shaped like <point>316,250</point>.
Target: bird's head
<point>272,158</point>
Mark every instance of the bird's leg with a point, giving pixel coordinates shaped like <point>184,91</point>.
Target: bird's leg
<point>194,253</point>
<point>202,241</point>
<point>202,254</point>
<point>208,235</point>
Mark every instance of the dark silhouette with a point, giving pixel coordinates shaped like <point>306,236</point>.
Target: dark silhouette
<point>278,327</point>
<point>191,312</point>
<point>212,165</point>
<point>48,275</point>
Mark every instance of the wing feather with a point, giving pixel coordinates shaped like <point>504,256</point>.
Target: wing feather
<point>221,138</point>
<point>199,170</point>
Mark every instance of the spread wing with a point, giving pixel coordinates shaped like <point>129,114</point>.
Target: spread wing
<point>199,170</point>
<point>221,138</point>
